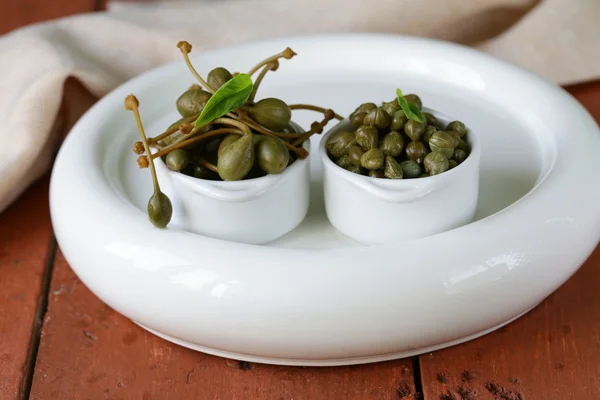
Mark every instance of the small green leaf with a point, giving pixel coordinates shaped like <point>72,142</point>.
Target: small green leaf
<point>410,109</point>
<point>233,94</point>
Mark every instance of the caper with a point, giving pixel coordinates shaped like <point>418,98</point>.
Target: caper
<point>463,146</point>
<point>458,127</point>
<point>376,174</point>
<point>435,163</point>
<point>392,169</point>
<point>356,120</point>
<point>414,130</point>
<point>378,118</point>
<point>444,142</point>
<point>344,161</point>
<point>413,98</point>
<point>191,102</point>
<point>429,131</point>
<point>416,151</point>
<point>355,153</point>
<point>201,172</point>
<point>237,159</point>
<point>459,155</point>
<point>391,107</point>
<point>177,159</point>
<point>271,154</point>
<point>410,169</point>
<point>272,113</point>
<point>218,77</point>
<point>367,137</point>
<point>431,119</point>
<point>159,209</point>
<point>452,164</point>
<point>227,140</point>
<point>372,159</point>
<point>366,107</point>
<point>356,169</point>
<point>392,144</point>
<point>339,143</point>
<point>398,120</point>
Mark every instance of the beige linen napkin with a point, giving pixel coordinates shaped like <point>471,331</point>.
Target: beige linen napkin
<point>558,39</point>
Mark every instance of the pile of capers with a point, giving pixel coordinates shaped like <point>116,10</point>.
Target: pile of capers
<point>386,143</point>
<point>223,133</point>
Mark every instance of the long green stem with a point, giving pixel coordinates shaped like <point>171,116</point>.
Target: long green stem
<point>269,67</point>
<point>287,54</point>
<point>316,127</point>
<point>267,132</point>
<point>314,108</point>
<point>172,129</point>
<point>184,143</point>
<point>132,102</point>
<point>185,48</point>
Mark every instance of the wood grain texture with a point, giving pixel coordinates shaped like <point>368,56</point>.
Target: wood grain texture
<point>88,351</point>
<point>551,353</point>
<point>25,236</point>
<point>17,13</point>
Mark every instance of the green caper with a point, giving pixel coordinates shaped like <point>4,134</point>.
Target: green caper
<point>237,159</point>
<point>435,163</point>
<point>227,140</point>
<point>464,146</point>
<point>429,131</point>
<point>431,119</point>
<point>452,164</point>
<point>339,143</point>
<point>271,154</point>
<point>365,107</point>
<point>177,159</point>
<point>218,77</point>
<point>272,113</point>
<point>355,153</point>
<point>398,120</point>
<point>191,102</point>
<point>169,140</point>
<point>458,127</point>
<point>201,172</point>
<point>159,209</point>
<point>356,120</point>
<point>356,169</point>
<point>459,155</point>
<point>392,144</point>
<point>372,159</point>
<point>444,142</point>
<point>414,130</point>
<point>416,151</point>
<point>410,169</point>
<point>344,161</point>
<point>391,107</point>
<point>367,137</point>
<point>392,169</point>
<point>413,98</point>
<point>376,174</point>
<point>378,118</point>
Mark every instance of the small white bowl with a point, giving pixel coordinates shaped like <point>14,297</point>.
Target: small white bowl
<point>252,211</point>
<point>375,210</point>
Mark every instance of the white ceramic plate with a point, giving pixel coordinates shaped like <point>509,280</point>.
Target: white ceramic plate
<point>315,297</point>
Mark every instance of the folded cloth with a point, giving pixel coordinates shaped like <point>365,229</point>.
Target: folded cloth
<point>559,40</point>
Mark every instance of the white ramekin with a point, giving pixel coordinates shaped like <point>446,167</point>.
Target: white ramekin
<point>375,210</point>
<point>253,211</point>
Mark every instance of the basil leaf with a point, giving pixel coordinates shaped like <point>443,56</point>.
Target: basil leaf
<point>228,97</point>
<point>410,109</point>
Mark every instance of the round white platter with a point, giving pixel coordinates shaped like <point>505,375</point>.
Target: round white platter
<point>315,297</point>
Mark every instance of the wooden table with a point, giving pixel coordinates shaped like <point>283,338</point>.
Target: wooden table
<point>58,341</point>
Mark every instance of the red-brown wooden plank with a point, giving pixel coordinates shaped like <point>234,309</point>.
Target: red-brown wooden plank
<point>16,13</point>
<point>88,351</point>
<point>551,353</point>
<point>25,236</point>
